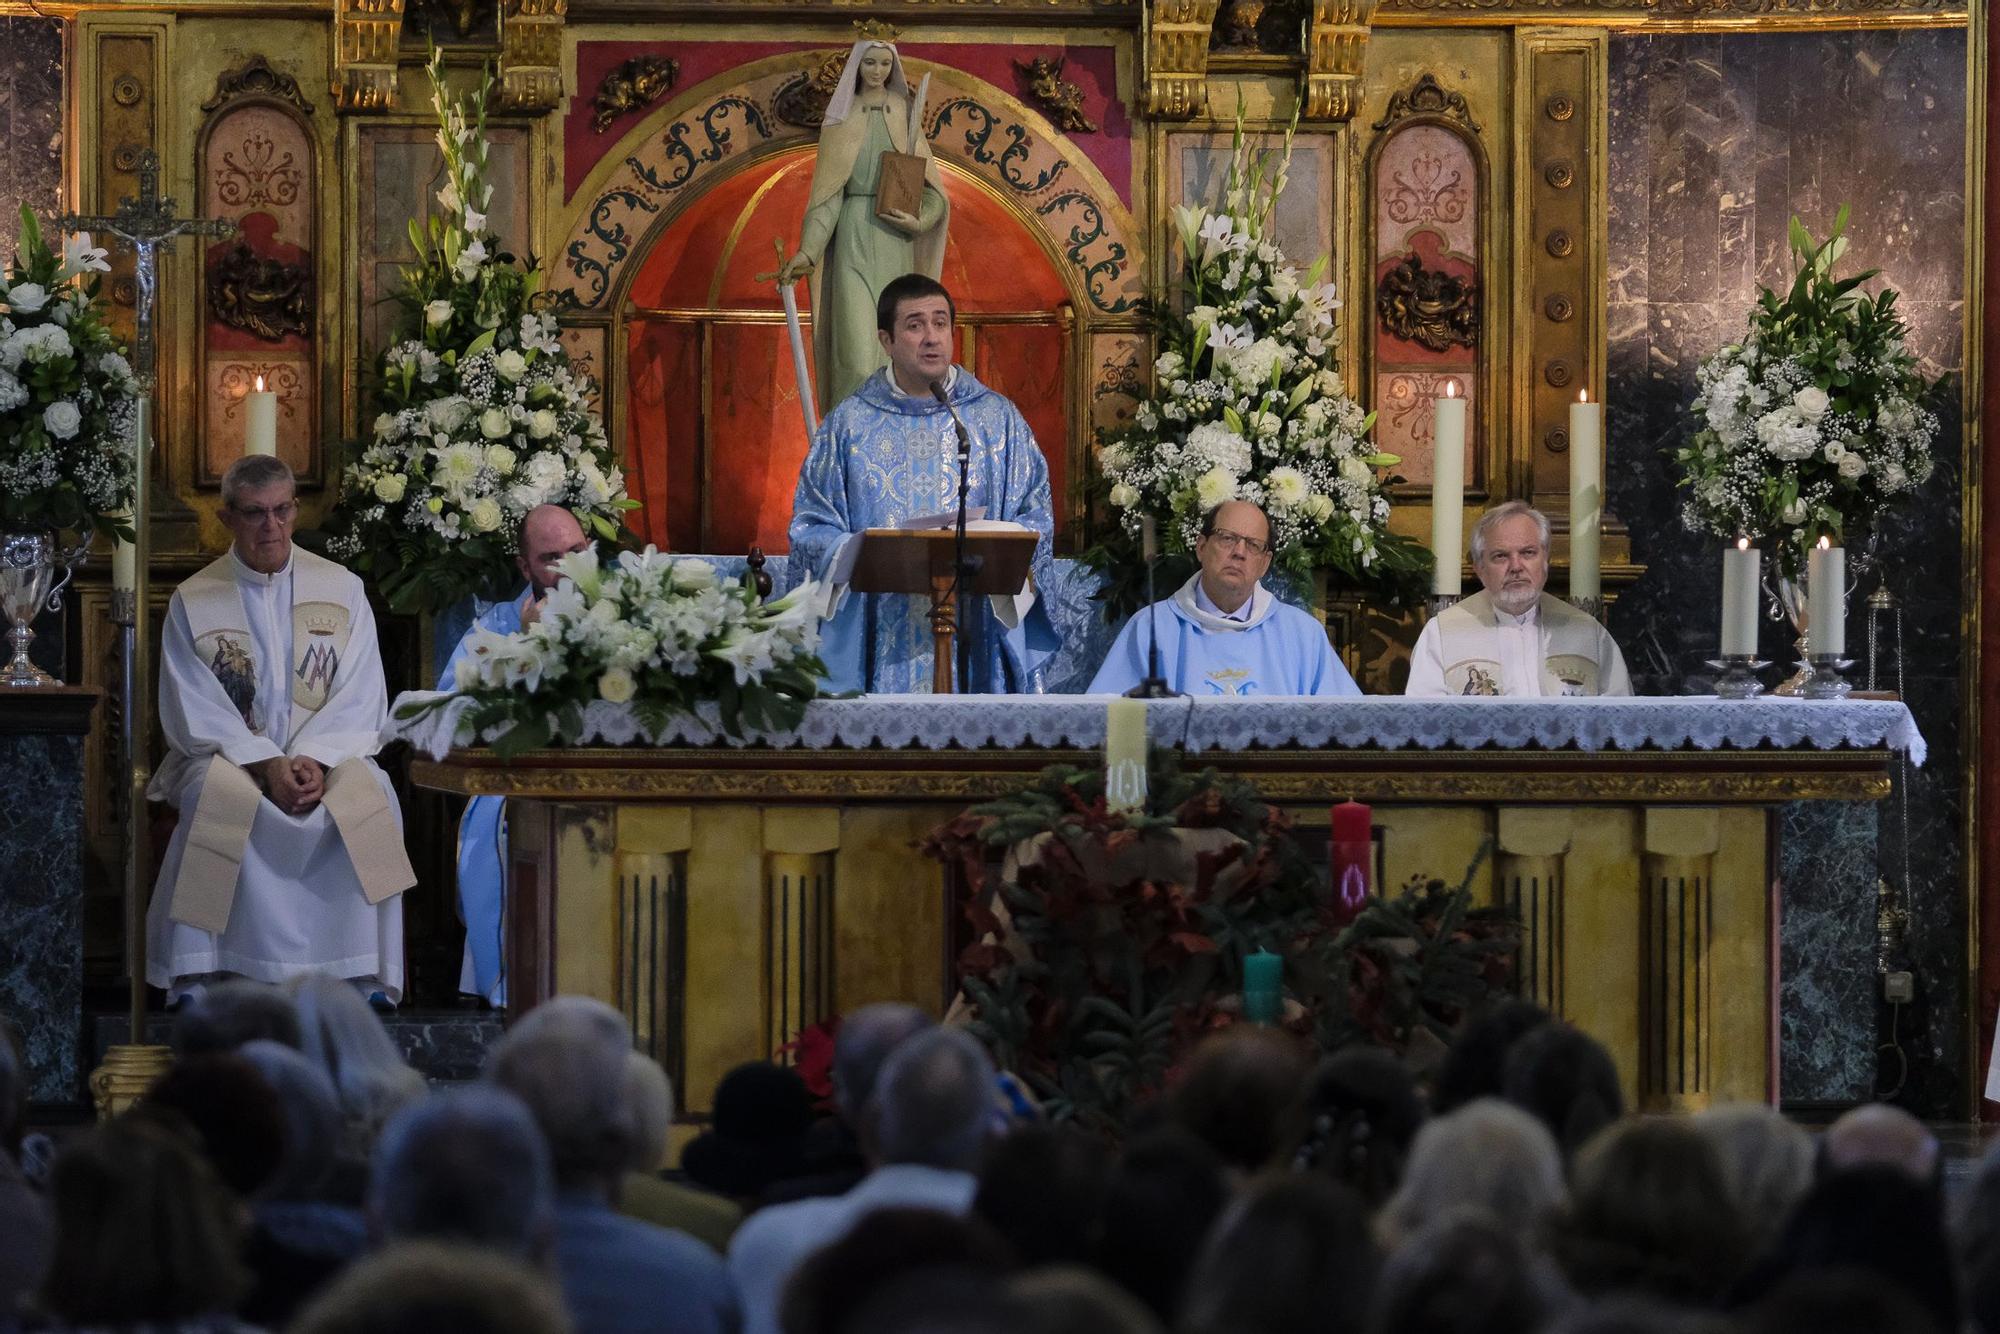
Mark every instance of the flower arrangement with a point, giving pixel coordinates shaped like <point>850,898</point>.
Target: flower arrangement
<point>68,400</point>
<point>660,633</point>
<point>1250,405</point>
<point>1814,423</point>
<point>481,416</point>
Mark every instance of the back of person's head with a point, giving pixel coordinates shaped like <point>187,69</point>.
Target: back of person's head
<point>1462,1273</point>
<point>1239,1091</point>
<point>652,1097</point>
<point>826,1291</point>
<point>1637,1315</point>
<point>1293,1255</point>
<point>1474,1066</point>
<point>1042,1189</point>
<point>933,1105</point>
<point>1838,1301</point>
<point>1767,1164</point>
<point>1356,1121</point>
<point>756,1133</point>
<point>1566,1078</point>
<point>863,1043</point>
<point>145,1230</point>
<point>1878,1135</point>
<point>312,1118</point>
<point>346,1039</point>
<point>233,1110</point>
<point>428,1288</point>
<point>224,1016</point>
<point>1165,1192</point>
<point>940,1299</point>
<point>1649,1214</point>
<point>1070,1299</point>
<point>1878,1220</point>
<point>1487,1154</point>
<point>566,1060</point>
<point>465,1165</point>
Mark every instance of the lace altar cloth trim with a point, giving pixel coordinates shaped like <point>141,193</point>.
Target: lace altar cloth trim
<point>1077,721</point>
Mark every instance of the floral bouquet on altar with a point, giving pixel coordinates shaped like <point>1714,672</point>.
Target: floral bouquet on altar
<point>480,415</point>
<point>1814,423</point>
<point>1250,405</point>
<point>661,633</point>
<point>68,399</point>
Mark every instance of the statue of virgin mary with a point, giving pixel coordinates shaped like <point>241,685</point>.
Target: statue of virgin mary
<point>851,252</point>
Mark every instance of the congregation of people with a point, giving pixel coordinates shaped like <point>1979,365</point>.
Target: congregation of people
<point>291,1172</point>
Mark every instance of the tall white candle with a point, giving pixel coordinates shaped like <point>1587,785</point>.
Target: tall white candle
<point>260,421</point>
<point>124,559</point>
<point>1742,568</point>
<point>1586,495</point>
<point>1448,491</point>
<point>1826,600</point>
<point>1125,755</point>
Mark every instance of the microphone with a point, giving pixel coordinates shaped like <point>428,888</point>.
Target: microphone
<point>964,565</point>
<point>1154,686</point>
<point>958,423</point>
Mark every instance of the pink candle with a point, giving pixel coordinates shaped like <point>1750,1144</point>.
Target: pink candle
<point>1351,859</point>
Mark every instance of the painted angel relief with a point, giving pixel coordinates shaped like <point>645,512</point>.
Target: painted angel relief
<point>258,286</point>
<point>1426,316</point>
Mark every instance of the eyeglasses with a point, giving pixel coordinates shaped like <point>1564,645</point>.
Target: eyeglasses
<point>284,513</point>
<point>1237,542</point>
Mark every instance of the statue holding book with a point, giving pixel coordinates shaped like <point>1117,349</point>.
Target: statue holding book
<point>877,210</point>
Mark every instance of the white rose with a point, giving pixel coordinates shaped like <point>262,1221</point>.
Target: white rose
<point>1852,465</point>
<point>617,686</point>
<point>1317,507</point>
<point>1124,496</point>
<point>62,418</point>
<point>485,514</point>
<point>500,459</point>
<point>1355,471</point>
<point>494,424</point>
<point>1794,512</point>
<point>447,414</point>
<point>385,425</point>
<point>437,312</point>
<point>1811,402</point>
<point>692,576</point>
<point>1286,487</point>
<point>1169,365</point>
<point>1269,424</point>
<point>27,298</point>
<point>542,423</point>
<point>389,489</point>
<point>1213,487</point>
<point>511,365</point>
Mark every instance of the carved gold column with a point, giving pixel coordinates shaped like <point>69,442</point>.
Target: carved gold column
<point>1676,933</point>
<point>1177,33</point>
<point>1336,51</point>
<point>1532,843</point>
<point>531,54</point>
<point>653,843</point>
<point>365,37</point>
<point>798,925</point>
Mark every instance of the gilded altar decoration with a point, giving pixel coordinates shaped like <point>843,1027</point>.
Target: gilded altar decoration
<point>803,99</point>
<point>1814,424</point>
<point>1429,307</point>
<point>1177,37</point>
<point>1062,100</point>
<point>479,415</point>
<point>1430,99</point>
<point>1266,27</point>
<point>638,82</point>
<point>1249,405</point>
<point>367,37</point>
<point>255,77</point>
<point>265,297</point>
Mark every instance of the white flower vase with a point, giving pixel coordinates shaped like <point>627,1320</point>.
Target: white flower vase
<point>34,569</point>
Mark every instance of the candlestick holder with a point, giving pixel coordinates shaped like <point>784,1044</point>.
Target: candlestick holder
<point>1827,681</point>
<point>1738,675</point>
<point>1591,607</point>
<point>124,607</point>
<point>1442,603</point>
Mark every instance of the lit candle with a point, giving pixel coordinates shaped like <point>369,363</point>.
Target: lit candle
<point>260,421</point>
<point>124,558</point>
<point>1351,858</point>
<point>1125,755</point>
<point>1263,987</point>
<point>1448,491</point>
<point>1826,600</point>
<point>1742,568</point>
<point>1586,495</point>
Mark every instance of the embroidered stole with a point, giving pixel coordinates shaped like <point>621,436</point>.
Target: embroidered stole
<point>1466,634</point>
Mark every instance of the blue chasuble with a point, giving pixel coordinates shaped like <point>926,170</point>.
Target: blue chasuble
<point>881,458</point>
<point>1279,650</point>
<point>482,851</point>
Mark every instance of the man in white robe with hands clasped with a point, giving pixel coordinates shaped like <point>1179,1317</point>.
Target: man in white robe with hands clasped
<point>288,857</point>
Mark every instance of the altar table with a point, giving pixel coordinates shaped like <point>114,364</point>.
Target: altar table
<point>725,895</point>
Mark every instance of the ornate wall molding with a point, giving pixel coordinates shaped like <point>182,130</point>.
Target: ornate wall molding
<point>255,78</point>
<point>1429,99</point>
<point>1177,33</point>
<point>638,82</point>
<point>366,35</point>
<point>1336,52</point>
<point>531,54</point>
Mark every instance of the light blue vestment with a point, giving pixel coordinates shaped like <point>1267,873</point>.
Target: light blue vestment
<point>482,846</point>
<point>1281,651</point>
<point>881,458</point>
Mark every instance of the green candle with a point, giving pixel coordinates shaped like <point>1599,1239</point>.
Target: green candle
<point>1263,987</point>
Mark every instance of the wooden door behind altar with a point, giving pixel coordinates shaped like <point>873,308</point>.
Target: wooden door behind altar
<point>713,433</point>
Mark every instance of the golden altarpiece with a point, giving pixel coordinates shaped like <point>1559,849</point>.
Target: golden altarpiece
<point>1451,155</point>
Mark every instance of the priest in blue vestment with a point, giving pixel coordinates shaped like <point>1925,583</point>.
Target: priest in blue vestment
<point>547,534</point>
<point>888,454</point>
<point>1223,632</point>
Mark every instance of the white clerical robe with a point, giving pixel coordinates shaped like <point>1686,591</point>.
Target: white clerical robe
<point>1474,648</point>
<point>299,902</point>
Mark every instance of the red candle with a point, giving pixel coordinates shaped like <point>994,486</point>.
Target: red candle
<point>1351,859</point>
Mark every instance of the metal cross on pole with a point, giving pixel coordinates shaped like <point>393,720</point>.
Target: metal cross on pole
<point>144,225</point>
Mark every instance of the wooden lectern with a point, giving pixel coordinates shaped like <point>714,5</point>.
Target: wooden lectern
<point>919,561</point>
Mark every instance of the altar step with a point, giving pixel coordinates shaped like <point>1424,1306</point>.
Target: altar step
<point>448,1046</point>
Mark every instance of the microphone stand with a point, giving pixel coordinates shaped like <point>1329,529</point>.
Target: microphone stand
<point>964,566</point>
<point>1154,686</point>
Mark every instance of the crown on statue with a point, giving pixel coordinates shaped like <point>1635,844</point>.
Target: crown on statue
<point>876,30</point>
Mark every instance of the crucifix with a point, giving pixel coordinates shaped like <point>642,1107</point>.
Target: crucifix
<point>143,225</point>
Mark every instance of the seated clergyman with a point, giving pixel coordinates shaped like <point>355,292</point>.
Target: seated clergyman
<point>1223,632</point>
<point>1511,638</point>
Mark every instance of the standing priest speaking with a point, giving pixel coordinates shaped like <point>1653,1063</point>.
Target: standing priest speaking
<point>288,857</point>
<point>889,454</point>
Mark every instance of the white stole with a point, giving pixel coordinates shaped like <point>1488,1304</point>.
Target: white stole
<point>1569,649</point>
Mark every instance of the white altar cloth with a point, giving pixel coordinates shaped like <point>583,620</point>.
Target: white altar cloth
<point>1373,722</point>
